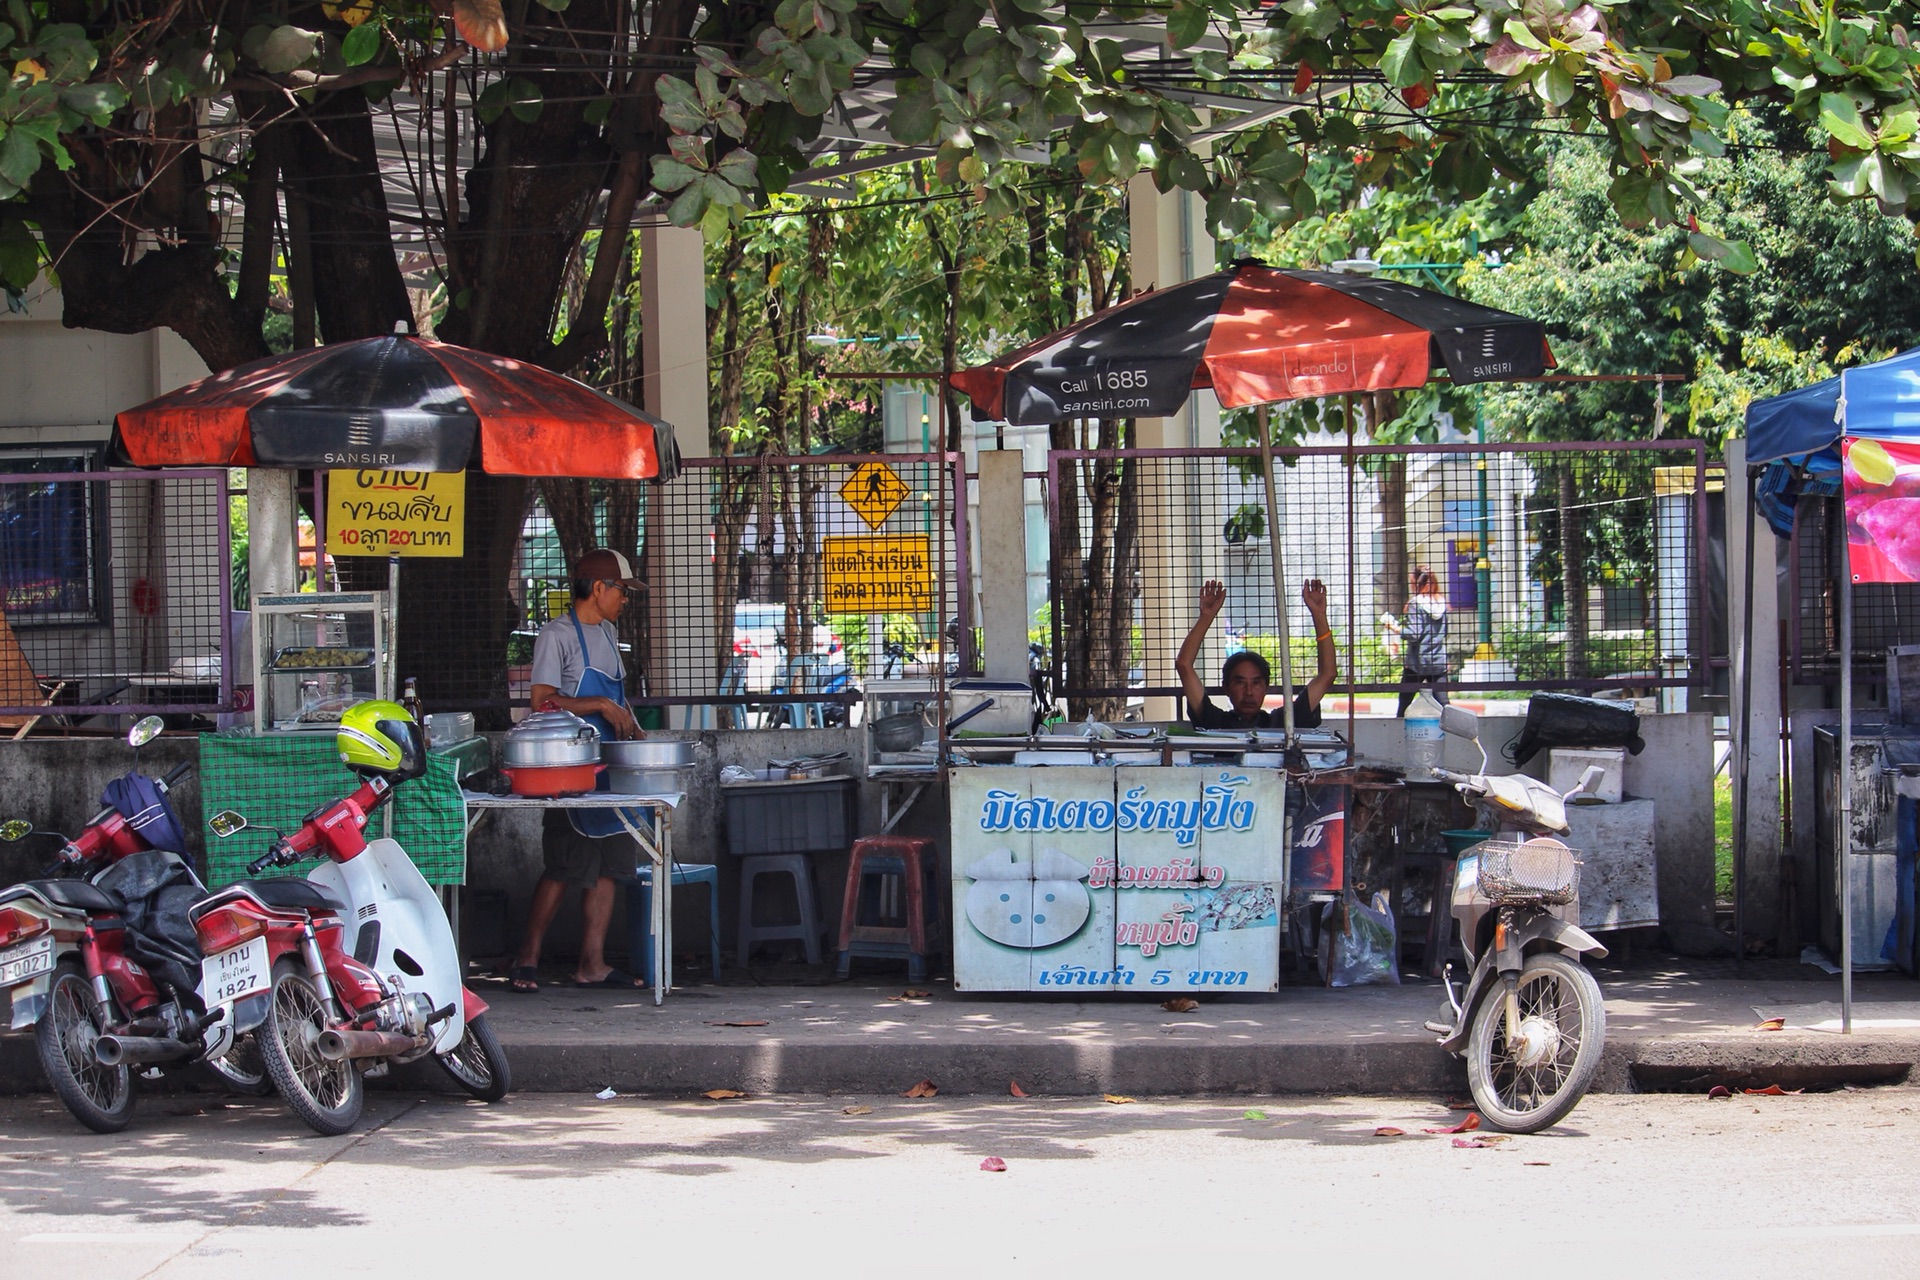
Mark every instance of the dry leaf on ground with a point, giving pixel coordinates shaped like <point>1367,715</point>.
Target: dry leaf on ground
<point>750,1022</point>
<point>1013,1087</point>
<point>1719,1091</point>
<point>925,1089</point>
<point>1116,1098</point>
<point>993,1164</point>
<point>1538,1164</point>
<point>1180,1004</point>
<point>1773,1091</point>
<point>1468,1123</point>
<point>1459,1104</point>
<point>911,994</point>
<point>1388,1131</point>
<point>1771,1024</point>
<point>1471,1142</point>
<point>720,1094</point>
<point>856,1111</point>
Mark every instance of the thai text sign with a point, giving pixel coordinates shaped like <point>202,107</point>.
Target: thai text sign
<point>871,574</point>
<point>396,513</point>
<point>1117,876</point>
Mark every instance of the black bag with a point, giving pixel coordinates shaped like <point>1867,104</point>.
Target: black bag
<point>1563,720</point>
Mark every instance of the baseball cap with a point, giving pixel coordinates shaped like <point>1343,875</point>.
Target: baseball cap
<point>604,564</point>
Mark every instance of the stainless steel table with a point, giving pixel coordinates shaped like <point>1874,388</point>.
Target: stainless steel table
<point>656,841</point>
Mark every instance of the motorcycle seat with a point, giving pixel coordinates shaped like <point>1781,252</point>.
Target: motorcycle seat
<point>292,894</point>
<point>77,895</point>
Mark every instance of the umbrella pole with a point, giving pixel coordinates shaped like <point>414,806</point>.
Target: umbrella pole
<point>1843,839</point>
<point>1743,743</point>
<point>1353,665</point>
<point>1279,569</point>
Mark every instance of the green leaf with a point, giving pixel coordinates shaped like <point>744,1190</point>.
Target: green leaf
<point>555,6</point>
<point>1708,248</point>
<point>361,45</point>
<point>491,102</point>
<point>19,256</point>
<point>689,207</point>
<point>19,157</point>
<point>597,111</point>
<point>97,102</point>
<point>1740,258</point>
<point>1401,64</point>
<point>914,118</point>
<point>285,49</point>
<point>740,167</point>
<point>1186,23</point>
<point>525,100</point>
<point>1840,116</point>
<point>671,175</point>
<point>1521,34</point>
<point>1553,84</point>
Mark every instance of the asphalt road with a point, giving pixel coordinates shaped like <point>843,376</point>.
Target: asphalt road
<point>1654,1185</point>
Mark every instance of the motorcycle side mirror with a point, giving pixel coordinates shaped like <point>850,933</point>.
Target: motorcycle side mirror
<point>1458,722</point>
<point>15,829</point>
<point>223,824</point>
<point>145,730</point>
<point>1591,778</point>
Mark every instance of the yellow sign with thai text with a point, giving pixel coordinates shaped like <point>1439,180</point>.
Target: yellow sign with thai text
<point>396,513</point>
<point>869,574</point>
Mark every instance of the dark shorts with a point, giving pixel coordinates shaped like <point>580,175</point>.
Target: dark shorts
<point>574,859</point>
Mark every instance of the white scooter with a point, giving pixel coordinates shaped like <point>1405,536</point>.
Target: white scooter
<point>346,971</point>
<point>1531,1021</point>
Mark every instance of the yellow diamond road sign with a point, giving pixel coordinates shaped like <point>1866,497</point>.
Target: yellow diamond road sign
<point>874,491</point>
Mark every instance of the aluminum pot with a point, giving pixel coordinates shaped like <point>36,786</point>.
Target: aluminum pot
<point>648,753</point>
<point>550,738</point>
<point>646,782</point>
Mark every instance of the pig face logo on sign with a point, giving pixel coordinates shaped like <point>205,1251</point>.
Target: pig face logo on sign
<point>999,906</point>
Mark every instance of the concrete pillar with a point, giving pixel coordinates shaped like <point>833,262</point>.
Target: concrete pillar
<point>273,531</point>
<point>673,381</point>
<point>1180,542</point>
<point>1003,564</point>
<point>1764,865</point>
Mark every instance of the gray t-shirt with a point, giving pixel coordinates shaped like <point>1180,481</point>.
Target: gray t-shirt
<point>557,659</point>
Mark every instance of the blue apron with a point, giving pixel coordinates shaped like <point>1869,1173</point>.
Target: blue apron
<point>594,683</point>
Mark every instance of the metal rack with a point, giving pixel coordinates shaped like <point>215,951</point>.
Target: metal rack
<point>315,654</point>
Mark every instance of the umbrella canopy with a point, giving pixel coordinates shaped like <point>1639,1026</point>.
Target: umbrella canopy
<point>1254,334</point>
<point>398,403</point>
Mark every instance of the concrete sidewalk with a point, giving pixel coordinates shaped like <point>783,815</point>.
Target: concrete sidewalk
<point>1669,1028</point>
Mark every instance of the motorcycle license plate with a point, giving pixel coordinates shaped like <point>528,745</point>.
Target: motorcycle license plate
<point>227,976</point>
<point>28,960</point>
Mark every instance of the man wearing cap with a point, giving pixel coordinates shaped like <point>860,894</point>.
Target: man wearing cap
<point>577,668</point>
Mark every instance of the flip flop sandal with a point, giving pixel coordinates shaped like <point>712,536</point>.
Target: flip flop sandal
<point>523,978</point>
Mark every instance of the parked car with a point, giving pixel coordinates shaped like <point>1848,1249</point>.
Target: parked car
<point>759,635</point>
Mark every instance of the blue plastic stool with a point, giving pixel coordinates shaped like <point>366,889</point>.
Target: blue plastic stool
<point>640,913</point>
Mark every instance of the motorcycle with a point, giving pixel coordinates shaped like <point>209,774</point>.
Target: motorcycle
<point>100,960</point>
<point>1531,1021</point>
<point>331,1012</point>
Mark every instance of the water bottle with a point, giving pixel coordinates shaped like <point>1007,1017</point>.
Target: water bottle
<point>1423,736</point>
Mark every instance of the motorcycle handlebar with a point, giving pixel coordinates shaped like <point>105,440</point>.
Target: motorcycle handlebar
<point>176,775</point>
<point>278,856</point>
<point>1448,775</point>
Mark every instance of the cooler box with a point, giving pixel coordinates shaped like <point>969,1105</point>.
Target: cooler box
<point>1002,708</point>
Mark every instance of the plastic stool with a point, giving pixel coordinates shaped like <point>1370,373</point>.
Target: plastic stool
<point>908,861</point>
<point>807,928</point>
<point>640,913</point>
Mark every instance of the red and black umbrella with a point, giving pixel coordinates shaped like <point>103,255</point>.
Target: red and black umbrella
<point>398,403</point>
<point>1254,334</point>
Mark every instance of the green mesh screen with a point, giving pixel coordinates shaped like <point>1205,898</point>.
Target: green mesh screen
<point>277,779</point>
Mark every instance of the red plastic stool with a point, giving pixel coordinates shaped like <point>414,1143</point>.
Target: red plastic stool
<point>907,861</point>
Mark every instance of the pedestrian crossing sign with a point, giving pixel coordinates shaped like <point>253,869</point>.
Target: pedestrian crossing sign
<point>874,491</point>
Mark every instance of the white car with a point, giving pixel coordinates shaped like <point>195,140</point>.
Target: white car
<point>758,630</point>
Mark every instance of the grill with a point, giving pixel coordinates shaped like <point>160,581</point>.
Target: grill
<point>1543,871</point>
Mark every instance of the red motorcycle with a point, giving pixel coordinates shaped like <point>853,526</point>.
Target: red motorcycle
<point>350,969</point>
<point>100,958</point>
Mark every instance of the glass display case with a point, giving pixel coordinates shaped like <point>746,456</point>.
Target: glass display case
<point>317,653</point>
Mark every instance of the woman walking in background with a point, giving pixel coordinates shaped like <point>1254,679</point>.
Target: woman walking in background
<point>1423,638</point>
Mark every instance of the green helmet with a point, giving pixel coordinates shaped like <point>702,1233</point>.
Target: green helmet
<point>381,737</point>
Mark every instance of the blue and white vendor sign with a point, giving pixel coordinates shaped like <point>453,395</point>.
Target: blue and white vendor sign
<point>1117,878</point>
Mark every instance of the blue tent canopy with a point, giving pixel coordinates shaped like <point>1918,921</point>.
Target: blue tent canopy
<point>1798,433</point>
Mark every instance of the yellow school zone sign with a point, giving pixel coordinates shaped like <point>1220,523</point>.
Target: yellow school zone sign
<point>874,491</point>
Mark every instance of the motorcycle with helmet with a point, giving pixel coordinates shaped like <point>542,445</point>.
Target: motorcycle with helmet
<point>354,967</point>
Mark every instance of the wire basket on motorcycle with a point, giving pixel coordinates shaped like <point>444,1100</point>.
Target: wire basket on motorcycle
<point>1543,871</point>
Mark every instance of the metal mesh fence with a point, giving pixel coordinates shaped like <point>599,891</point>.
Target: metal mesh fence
<point>1884,613</point>
<point>114,592</point>
<point>1556,567</point>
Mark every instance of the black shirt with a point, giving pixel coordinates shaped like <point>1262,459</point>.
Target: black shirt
<point>1209,716</point>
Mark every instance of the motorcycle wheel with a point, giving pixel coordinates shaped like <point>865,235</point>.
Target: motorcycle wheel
<point>243,1068</point>
<point>327,1095</point>
<point>100,1097</point>
<point>1518,1098</point>
<point>478,1064</point>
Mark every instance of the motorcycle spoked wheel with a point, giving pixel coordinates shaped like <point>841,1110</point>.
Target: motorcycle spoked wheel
<point>478,1064</point>
<point>100,1097</point>
<point>243,1067</point>
<point>1517,1097</point>
<point>327,1095</point>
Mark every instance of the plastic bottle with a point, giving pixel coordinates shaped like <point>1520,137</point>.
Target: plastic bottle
<point>1423,736</point>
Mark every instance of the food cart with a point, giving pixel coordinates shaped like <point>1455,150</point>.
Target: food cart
<point>1142,863</point>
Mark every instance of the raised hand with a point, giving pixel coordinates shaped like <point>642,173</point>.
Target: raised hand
<point>1213,595</point>
<point>1313,594</point>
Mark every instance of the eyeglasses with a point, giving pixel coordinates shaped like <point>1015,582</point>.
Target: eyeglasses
<point>619,586</point>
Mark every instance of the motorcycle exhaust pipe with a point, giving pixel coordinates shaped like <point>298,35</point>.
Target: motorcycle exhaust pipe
<point>112,1050</point>
<point>337,1046</point>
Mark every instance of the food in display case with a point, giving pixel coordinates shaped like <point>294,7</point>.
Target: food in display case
<point>322,657</point>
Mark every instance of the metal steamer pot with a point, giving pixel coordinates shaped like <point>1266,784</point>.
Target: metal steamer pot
<point>549,739</point>
<point>652,766</point>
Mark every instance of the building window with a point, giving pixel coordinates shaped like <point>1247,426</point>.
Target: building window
<point>52,539</point>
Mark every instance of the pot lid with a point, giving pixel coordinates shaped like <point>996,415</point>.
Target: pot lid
<point>552,726</point>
